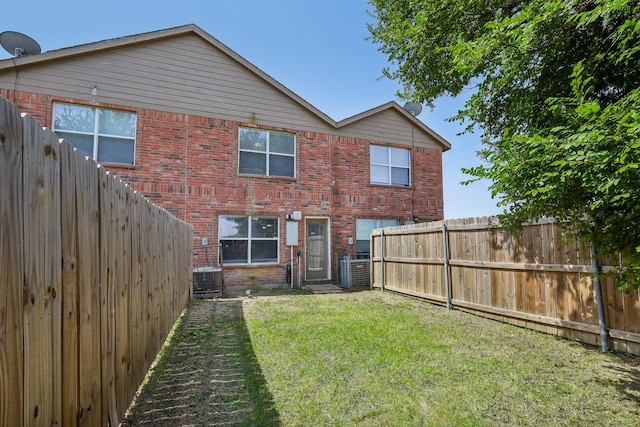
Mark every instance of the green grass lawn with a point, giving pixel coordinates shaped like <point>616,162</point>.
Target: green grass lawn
<point>374,358</point>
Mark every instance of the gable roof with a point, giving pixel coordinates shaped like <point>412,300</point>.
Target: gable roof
<point>192,29</point>
<point>394,106</point>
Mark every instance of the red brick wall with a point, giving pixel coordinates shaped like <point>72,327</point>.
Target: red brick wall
<point>354,197</point>
<point>189,165</point>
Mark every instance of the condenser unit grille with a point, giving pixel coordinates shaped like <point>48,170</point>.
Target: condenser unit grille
<point>354,273</point>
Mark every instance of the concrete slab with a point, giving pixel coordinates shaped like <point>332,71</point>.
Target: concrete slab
<point>323,288</point>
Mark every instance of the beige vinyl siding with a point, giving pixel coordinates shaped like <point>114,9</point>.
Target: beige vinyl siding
<point>391,127</point>
<point>185,70</point>
<point>182,74</point>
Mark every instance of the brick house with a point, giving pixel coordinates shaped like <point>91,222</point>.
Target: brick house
<point>220,144</point>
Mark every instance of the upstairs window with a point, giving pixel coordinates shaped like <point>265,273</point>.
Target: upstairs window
<point>390,165</point>
<point>107,136</point>
<point>267,153</point>
<point>248,239</point>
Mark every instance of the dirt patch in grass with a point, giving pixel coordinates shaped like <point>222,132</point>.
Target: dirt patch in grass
<point>207,374</point>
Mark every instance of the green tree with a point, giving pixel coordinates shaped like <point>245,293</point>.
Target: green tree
<point>555,93</point>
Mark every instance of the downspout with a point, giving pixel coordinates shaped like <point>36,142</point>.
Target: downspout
<point>595,269</point>
<point>291,266</point>
<point>445,243</point>
<point>382,258</point>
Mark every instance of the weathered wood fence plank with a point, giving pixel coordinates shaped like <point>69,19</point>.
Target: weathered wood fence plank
<point>42,280</point>
<point>89,410</point>
<point>11,265</point>
<point>70,287</point>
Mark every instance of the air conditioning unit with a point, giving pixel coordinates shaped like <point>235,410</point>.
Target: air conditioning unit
<point>207,282</point>
<point>354,272</point>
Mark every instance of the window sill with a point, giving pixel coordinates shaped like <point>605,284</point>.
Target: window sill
<point>117,165</point>
<point>254,265</point>
<point>395,186</point>
<point>278,178</point>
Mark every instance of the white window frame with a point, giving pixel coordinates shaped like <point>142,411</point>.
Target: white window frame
<point>267,153</point>
<point>379,223</point>
<point>96,133</point>
<point>389,165</point>
<point>249,239</point>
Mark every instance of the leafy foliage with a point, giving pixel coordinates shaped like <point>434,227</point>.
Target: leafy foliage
<point>556,90</point>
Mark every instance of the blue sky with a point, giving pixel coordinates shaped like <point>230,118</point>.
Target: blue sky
<point>317,48</point>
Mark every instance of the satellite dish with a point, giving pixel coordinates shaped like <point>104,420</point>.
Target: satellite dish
<point>19,44</point>
<point>413,108</point>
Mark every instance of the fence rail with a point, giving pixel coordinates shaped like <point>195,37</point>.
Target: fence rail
<point>537,279</point>
<point>92,278</point>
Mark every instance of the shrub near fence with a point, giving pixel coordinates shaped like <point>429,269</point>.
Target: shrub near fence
<point>538,279</point>
<point>92,278</point>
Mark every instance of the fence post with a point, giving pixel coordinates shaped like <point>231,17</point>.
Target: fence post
<point>382,258</point>
<point>595,268</point>
<point>445,244</point>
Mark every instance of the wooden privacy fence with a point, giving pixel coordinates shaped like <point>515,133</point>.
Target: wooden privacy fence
<point>537,279</point>
<point>92,278</point>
